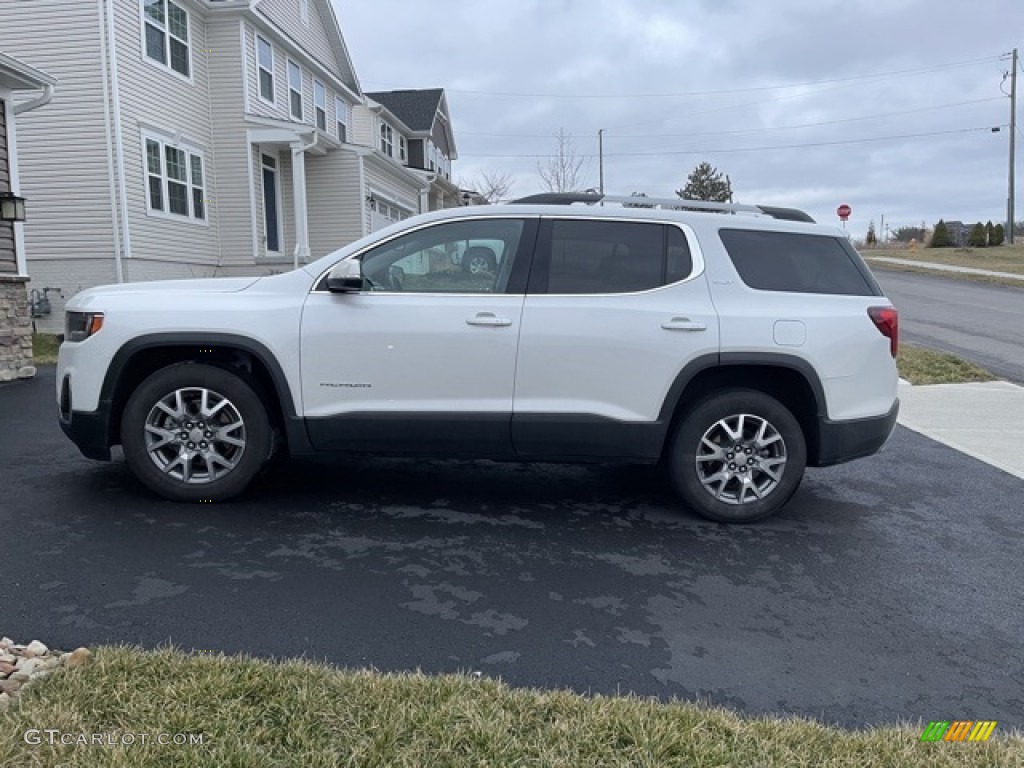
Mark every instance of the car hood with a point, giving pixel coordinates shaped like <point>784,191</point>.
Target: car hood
<point>200,285</point>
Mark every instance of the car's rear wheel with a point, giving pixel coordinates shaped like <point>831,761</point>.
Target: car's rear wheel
<point>737,456</point>
<point>478,264</point>
<point>194,432</point>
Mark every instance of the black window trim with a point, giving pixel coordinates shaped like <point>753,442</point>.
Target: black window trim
<point>517,280</point>
<point>542,254</point>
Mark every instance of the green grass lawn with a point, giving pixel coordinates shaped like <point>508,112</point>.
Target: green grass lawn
<point>926,366</point>
<point>1002,258</point>
<point>253,714</point>
<point>44,349</point>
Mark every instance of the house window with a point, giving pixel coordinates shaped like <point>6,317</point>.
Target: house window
<point>390,211</point>
<point>174,179</point>
<point>341,118</point>
<point>387,140</point>
<point>165,27</point>
<point>320,104</point>
<point>403,151</point>
<point>265,59</point>
<point>295,89</point>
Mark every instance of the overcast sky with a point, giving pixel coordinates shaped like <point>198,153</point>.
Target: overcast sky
<point>797,101</point>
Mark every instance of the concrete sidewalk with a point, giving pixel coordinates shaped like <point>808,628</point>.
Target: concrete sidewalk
<point>983,420</point>
<point>943,267</point>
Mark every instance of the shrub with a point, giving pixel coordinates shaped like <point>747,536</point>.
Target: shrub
<point>977,238</point>
<point>998,235</point>
<point>940,237</point>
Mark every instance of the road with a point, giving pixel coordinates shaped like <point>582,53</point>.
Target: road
<point>888,590</point>
<point>980,322</point>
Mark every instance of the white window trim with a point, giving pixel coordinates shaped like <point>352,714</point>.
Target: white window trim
<point>340,117</point>
<point>304,11</point>
<point>403,149</point>
<point>386,135</point>
<point>302,106</point>
<point>166,140</point>
<point>259,67</point>
<point>167,34</point>
<point>269,254</point>
<point>319,107</point>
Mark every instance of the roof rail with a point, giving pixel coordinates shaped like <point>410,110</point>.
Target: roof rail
<point>673,203</point>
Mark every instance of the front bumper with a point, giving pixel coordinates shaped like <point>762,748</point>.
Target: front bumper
<point>840,441</point>
<point>89,430</point>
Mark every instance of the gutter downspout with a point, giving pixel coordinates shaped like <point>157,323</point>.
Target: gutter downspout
<point>118,147</point>
<point>41,100</point>
<point>20,259</point>
<point>111,177</point>
<point>299,150</point>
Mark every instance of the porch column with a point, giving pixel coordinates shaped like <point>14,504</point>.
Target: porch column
<point>301,254</point>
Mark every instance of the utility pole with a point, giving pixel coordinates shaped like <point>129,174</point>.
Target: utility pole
<point>1010,213</point>
<point>600,160</point>
<point>881,230</point>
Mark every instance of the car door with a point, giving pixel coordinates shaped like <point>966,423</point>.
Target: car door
<point>422,360</point>
<point>614,311</point>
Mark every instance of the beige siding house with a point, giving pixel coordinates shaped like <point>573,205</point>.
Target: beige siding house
<point>194,138</point>
<point>414,126</point>
<point>22,88</point>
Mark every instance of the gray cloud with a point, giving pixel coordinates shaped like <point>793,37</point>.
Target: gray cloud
<point>734,82</point>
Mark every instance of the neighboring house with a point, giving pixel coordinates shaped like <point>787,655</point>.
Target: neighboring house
<point>195,138</point>
<point>415,128</point>
<point>20,87</point>
<point>958,232</point>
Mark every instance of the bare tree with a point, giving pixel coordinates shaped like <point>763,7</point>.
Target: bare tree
<point>493,187</point>
<point>562,172</point>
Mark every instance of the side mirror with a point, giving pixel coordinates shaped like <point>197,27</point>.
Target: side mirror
<point>346,277</point>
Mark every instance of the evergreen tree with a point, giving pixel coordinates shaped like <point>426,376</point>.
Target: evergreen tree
<point>940,237</point>
<point>977,238</point>
<point>871,239</point>
<point>706,182</point>
<point>998,235</point>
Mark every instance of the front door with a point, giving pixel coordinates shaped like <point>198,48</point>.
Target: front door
<point>271,205</point>
<point>423,359</point>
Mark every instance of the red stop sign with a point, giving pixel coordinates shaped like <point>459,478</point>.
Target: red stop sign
<point>844,211</point>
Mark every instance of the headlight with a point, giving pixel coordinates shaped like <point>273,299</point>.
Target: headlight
<point>79,326</point>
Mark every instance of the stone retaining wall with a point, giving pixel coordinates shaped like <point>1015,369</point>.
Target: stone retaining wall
<point>15,330</point>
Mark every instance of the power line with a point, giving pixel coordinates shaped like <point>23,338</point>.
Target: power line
<point>805,145</point>
<point>717,92</point>
<point>746,130</point>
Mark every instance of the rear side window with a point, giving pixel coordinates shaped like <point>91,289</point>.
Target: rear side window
<point>584,256</point>
<point>799,263</point>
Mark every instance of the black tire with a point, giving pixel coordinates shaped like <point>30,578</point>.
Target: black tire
<point>224,457</point>
<point>746,492</point>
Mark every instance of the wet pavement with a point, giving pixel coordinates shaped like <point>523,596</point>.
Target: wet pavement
<point>889,589</point>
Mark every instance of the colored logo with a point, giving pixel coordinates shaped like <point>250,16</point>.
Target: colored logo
<point>958,730</point>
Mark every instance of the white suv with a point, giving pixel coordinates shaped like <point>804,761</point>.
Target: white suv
<point>735,349</point>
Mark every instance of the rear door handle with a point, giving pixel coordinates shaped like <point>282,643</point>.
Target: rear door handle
<point>683,324</point>
<point>488,318</point>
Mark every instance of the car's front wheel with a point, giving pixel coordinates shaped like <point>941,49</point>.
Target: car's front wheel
<point>737,456</point>
<point>194,432</point>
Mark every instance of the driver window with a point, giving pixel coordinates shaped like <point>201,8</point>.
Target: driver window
<point>473,256</point>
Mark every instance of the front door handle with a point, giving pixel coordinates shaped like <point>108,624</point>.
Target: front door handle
<point>488,318</point>
<point>683,324</point>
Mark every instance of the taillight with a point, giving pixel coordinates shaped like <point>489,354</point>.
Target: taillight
<point>887,321</point>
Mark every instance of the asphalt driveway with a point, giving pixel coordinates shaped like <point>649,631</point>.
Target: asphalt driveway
<point>889,589</point>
